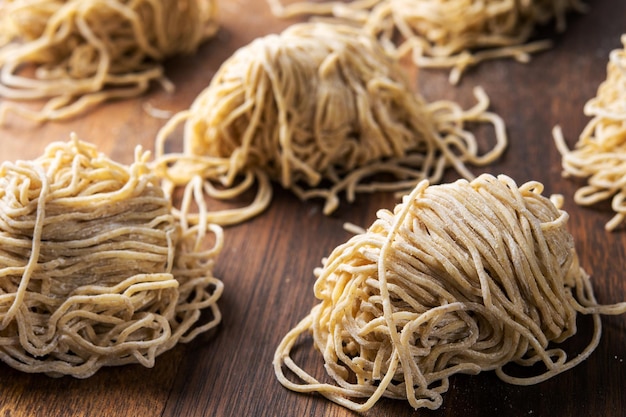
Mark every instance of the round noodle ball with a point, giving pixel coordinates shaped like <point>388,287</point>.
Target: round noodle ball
<point>312,100</point>
<point>459,278</point>
<point>95,269</point>
<point>321,109</point>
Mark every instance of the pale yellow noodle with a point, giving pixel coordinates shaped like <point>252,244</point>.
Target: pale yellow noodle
<point>462,277</point>
<point>84,52</point>
<point>95,270</point>
<point>599,156</point>
<point>453,34</point>
<point>322,110</point>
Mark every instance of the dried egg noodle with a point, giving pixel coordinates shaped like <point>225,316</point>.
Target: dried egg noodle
<point>94,268</point>
<point>320,109</point>
<point>87,51</point>
<point>453,34</point>
<point>460,278</point>
<point>600,153</point>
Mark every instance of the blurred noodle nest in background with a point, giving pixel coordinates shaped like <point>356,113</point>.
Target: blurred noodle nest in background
<point>322,110</point>
<point>453,34</point>
<point>77,53</point>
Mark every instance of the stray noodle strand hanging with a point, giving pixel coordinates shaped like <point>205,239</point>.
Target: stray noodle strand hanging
<point>599,156</point>
<point>84,52</point>
<point>94,268</point>
<point>460,278</point>
<point>321,109</point>
<point>453,34</point>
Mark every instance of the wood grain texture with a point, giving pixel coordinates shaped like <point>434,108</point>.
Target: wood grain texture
<point>267,263</point>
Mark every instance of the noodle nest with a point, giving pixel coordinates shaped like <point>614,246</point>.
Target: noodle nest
<point>599,154</point>
<point>453,34</point>
<point>94,268</point>
<point>460,278</point>
<point>78,53</point>
<point>320,109</point>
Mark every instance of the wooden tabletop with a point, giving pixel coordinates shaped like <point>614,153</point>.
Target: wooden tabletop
<point>267,263</point>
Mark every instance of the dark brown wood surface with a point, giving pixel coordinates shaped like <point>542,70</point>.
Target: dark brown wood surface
<point>267,263</point>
